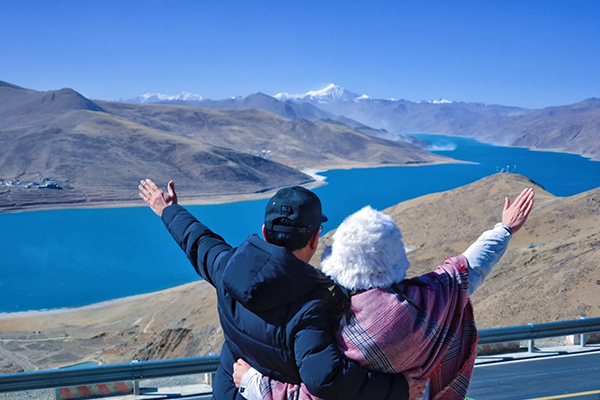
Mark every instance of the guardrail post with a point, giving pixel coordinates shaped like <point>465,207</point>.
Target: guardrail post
<point>582,335</point>
<point>209,377</point>
<point>531,347</point>
<point>136,383</point>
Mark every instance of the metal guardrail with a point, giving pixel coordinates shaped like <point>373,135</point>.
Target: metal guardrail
<point>539,331</point>
<point>136,371</point>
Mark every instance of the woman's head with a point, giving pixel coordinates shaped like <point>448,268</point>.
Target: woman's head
<point>367,252</point>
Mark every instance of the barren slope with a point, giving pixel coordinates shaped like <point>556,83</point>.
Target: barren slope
<point>296,143</point>
<point>173,323</point>
<point>95,152</point>
<point>557,279</point>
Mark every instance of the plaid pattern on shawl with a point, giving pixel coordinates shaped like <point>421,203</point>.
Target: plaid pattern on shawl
<point>424,325</point>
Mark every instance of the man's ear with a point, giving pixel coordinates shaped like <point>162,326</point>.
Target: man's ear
<point>314,240</point>
<point>264,232</point>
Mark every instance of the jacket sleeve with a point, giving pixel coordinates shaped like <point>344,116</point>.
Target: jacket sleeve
<point>327,374</point>
<point>485,253</point>
<point>203,248</point>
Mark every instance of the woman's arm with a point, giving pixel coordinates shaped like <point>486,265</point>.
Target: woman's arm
<point>485,253</point>
<point>491,245</point>
<point>249,380</point>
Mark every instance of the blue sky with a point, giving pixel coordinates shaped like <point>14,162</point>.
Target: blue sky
<point>524,53</point>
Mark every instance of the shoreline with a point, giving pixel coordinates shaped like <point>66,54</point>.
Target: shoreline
<point>318,180</point>
<point>93,306</point>
<point>186,201</point>
<point>498,144</point>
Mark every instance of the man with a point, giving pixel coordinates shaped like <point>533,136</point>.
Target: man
<point>290,334</point>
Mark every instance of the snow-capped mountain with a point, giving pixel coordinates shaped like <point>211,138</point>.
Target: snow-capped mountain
<point>439,101</point>
<point>159,97</point>
<point>325,95</point>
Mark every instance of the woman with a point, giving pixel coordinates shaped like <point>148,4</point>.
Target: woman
<point>422,326</point>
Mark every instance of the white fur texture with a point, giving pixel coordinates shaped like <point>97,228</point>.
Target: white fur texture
<point>367,252</point>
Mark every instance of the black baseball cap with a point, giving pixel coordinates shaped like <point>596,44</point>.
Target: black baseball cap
<point>298,204</point>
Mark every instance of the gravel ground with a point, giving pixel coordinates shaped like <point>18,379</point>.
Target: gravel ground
<point>47,394</point>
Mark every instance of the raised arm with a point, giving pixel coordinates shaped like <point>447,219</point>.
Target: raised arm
<point>206,250</point>
<point>491,245</point>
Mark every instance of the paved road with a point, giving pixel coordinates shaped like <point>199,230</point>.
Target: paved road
<point>573,376</point>
<point>21,361</point>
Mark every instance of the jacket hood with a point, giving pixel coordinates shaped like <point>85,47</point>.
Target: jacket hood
<point>367,252</point>
<point>262,276</point>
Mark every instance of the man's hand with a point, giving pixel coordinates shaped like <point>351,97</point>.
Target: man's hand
<point>515,214</point>
<point>416,387</point>
<point>155,197</point>
<point>239,369</point>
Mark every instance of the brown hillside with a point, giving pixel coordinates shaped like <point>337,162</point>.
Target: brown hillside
<point>173,323</point>
<point>557,279</point>
<point>95,153</point>
<point>296,143</point>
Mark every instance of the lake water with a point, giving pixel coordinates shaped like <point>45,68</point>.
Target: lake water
<point>70,258</point>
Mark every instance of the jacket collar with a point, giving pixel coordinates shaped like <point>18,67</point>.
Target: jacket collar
<point>262,276</point>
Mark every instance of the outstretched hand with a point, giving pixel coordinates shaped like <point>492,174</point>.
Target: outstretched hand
<point>239,369</point>
<point>155,197</point>
<point>515,214</point>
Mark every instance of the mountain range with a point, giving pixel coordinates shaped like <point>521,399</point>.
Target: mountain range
<point>571,128</point>
<point>94,152</point>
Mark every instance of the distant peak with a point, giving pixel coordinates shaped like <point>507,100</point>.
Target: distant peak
<point>257,94</point>
<point>591,101</point>
<point>67,99</point>
<point>331,92</point>
<point>10,85</point>
<point>331,89</point>
<point>363,97</point>
<point>439,101</point>
<point>159,97</point>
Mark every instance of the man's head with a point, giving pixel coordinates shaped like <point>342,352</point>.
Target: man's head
<point>293,217</point>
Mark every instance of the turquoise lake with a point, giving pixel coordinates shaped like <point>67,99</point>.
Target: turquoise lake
<point>69,258</point>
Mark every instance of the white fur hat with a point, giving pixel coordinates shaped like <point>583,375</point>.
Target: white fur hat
<point>367,252</point>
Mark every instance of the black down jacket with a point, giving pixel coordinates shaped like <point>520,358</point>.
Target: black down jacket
<point>287,334</point>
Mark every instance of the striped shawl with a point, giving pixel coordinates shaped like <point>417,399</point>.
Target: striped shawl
<point>423,326</point>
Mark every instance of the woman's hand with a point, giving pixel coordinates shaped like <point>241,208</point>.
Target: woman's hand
<point>514,215</point>
<point>239,369</point>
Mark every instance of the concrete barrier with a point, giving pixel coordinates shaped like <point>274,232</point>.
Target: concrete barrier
<point>590,338</point>
<point>93,391</point>
<point>498,348</point>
